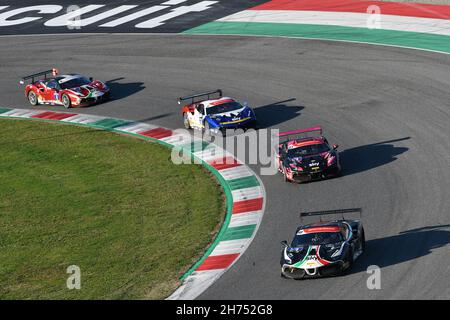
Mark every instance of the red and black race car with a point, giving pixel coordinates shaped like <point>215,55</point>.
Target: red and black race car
<point>71,90</point>
<point>302,159</point>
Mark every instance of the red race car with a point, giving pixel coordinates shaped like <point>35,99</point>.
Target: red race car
<point>71,90</point>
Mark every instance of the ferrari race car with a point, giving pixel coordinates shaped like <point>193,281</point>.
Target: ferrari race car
<point>302,159</point>
<point>216,115</point>
<point>71,90</point>
<point>323,248</point>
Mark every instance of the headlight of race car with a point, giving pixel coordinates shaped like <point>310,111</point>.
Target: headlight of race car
<point>291,251</point>
<point>334,250</point>
<point>288,255</point>
<point>331,160</point>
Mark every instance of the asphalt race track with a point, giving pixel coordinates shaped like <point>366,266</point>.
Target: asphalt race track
<point>387,108</point>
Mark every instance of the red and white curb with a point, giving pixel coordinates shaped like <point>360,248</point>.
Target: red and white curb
<point>244,190</point>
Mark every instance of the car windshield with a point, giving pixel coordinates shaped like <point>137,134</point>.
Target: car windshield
<point>76,82</point>
<point>223,107</point>
<point>317,238</point>
<point>308,150</point>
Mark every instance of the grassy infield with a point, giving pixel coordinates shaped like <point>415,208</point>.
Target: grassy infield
<point>115,206</point>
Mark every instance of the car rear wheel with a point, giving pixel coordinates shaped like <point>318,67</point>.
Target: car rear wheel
<point>207,129</point>
<point>66,101</point>
<point>363,240</point>
<point>32,98</point>
<point>285,175</point>
<point>186,123</point>
<point>339,170</point>
<point>349,259</point>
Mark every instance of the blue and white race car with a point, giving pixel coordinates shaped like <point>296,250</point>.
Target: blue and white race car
<point>216,115</point>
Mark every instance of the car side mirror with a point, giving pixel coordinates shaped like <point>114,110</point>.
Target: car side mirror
<point>91,79</point>
<point>335,146</point>
<point>284,243</point>
<point>245,104</point>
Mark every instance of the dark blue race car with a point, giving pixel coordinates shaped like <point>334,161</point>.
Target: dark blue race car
<point>323,248</point>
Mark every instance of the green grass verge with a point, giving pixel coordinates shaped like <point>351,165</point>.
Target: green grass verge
<point>116,207</point>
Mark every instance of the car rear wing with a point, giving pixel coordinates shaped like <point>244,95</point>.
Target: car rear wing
<point>331,212</point>
<point>205,95</point>
<point>283,137</point>
<point>297,134</point>
<point>53,72</point>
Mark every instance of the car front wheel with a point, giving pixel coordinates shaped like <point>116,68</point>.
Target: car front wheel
<point>285,175</point>
<point>66,101</point>
<point>363,240</point>
<point>32,98</point>
<point>349,259</point>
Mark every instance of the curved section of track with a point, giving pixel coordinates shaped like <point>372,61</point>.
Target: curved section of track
<point>387,108</point>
